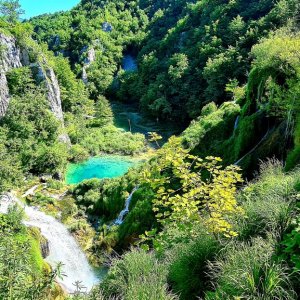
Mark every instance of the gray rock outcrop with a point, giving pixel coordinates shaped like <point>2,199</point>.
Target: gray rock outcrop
<point>44,246</point>
<point>10,53</point>
<point>90,57</point>
<point>107,27</point>
<point>45,74</point>
<point>4,94</point>
<point>9,58</point>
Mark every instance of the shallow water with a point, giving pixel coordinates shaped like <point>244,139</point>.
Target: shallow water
<point>98,167</point>
<point>128,118</point>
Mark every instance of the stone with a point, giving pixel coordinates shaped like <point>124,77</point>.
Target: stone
<point>45,178</point>
<point>64,138</point>
<point>44,246</point>
<point>107,27</point>
<point>25,60</point>
<point>58,176</point>
<point>45,74</point>
<point>91,56</point>
<point>12,57</point>
<point>56,41</point>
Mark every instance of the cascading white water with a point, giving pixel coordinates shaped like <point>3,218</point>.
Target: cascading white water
<point>62,245</point>
<point>236,123</point>
<point>125,211</point>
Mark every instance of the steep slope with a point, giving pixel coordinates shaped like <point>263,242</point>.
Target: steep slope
<point>15,57</point>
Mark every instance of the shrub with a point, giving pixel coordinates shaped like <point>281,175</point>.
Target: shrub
<point>78,153</point>
<point>212,124</point>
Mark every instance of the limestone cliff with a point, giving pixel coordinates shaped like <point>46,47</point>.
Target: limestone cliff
<point>9,58</point>
<point>4,94</point>
<point>47,76</point>
<point>14,57</point>
<point>90,57</point>
<point>10,53</point>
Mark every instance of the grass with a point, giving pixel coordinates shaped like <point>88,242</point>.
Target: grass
<point>268,201</point>
<point>137,275</point>
<point>247,271</point>
<point>189,266</point>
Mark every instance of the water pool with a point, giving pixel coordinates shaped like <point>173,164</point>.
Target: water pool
<point>99,167</point>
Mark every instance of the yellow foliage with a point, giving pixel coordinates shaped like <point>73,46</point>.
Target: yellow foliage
<point>190,189</point>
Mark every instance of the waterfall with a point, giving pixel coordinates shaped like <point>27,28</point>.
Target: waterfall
<point>62,245</point>
<point>125,211</point>
<point>236,123</point>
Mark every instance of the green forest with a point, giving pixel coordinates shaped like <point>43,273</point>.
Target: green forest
<point>209,92</point>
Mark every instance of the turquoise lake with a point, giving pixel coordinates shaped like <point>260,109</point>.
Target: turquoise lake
<point>98,167</point>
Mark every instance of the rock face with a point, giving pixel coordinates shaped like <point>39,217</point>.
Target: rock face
<point>4,94</point>
<point>10,53</point>
<point>107,27</point>
<point>44,246</point>
<point>46,74</point>
<point>13,57</point>
<point>90,57</point>
<point>9,58</point>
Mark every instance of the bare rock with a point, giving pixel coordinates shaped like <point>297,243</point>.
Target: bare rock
<point>44,246</point>
<point>9,58</point>
<point>10,53</point>
<point>107,27</point>
<point>4,94</point>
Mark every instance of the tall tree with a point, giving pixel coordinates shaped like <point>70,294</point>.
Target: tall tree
<point>11,10</point>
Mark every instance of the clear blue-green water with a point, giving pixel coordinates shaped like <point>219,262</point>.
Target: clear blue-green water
<point>98,167</point>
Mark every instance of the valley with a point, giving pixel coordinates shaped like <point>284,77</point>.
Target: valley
<point>150,150</point>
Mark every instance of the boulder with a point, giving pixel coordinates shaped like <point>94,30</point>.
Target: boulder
<point>44,246</point>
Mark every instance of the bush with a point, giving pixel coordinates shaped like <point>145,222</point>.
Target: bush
<point>78,153</point>
<point>213,123</point>
<point>110,139</point>
<point>50,159</point>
